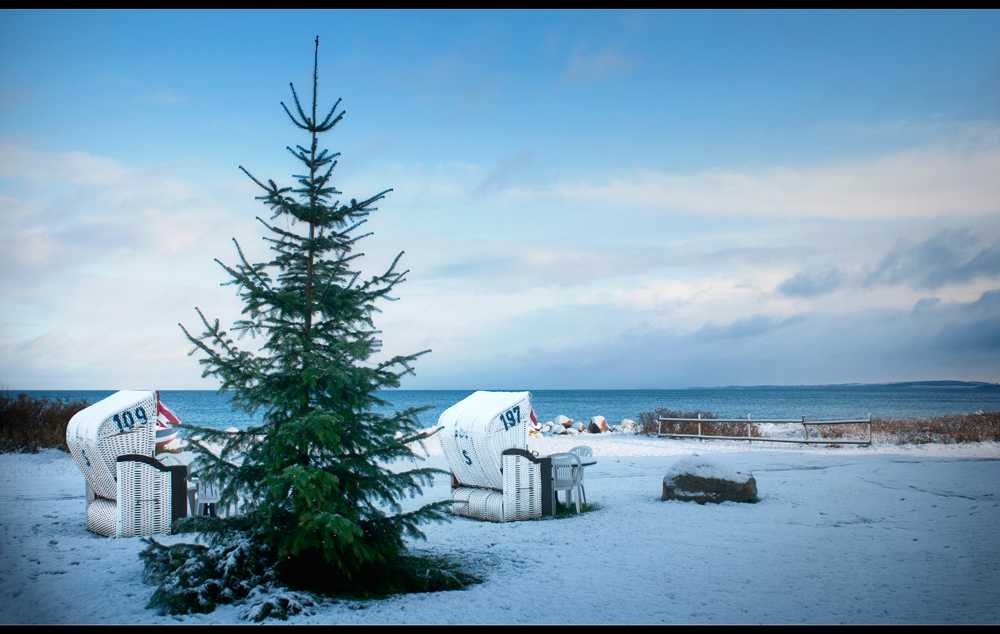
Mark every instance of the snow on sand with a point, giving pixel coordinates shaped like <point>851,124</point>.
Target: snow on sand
<point>852,535</point>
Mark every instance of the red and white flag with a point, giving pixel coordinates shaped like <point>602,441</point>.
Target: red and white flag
<point>165,421</point>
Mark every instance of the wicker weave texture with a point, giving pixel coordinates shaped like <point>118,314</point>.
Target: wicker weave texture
<point>522,489</point>
<point>102,516</point>
<point>143,500</point>
<point>123,423</point>
<point>474,434</point>
<point>477,430</point>
<point>480,504</point>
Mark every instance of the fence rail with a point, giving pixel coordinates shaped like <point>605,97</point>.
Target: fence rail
<point>750,438</point>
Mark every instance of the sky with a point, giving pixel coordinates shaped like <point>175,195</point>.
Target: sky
<point>585,200</point>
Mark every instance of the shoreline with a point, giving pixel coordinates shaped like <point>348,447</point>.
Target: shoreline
<point>883,534</point>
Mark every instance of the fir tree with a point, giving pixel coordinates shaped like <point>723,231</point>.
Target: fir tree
<point>315,475</point>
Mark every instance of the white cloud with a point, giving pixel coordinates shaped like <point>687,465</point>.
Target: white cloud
<point>59,167</point>
<point>71,212</point>
<point>907,185</point>
<point>101,268</point>
<point>870,344</point>
<point>100,261</point>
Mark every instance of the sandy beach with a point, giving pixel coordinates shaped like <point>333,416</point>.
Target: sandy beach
<point>887,534</point>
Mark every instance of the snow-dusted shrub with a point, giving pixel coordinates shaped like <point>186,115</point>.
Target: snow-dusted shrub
<point>233,567</point>
<point>265,602</point>
<point>237,567</point>
<point>649,425</point>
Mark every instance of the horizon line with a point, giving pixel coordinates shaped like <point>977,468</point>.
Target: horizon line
<point>923,383</point>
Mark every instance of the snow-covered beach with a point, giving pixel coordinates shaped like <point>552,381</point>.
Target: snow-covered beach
<point>886,534</point>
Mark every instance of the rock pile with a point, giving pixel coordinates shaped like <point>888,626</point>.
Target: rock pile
<point>597,425</point>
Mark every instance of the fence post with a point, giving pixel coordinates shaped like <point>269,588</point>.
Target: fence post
<point>748,430</point>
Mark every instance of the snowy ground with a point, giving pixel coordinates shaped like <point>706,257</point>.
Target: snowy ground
<point>850,535</point>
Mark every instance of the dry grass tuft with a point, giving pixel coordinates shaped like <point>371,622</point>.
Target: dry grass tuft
<point>28,424</point>
<point>649,426</point>
<point>980,427</point>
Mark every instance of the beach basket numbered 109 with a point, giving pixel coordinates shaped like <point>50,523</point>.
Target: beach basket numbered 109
<point>123,424</point>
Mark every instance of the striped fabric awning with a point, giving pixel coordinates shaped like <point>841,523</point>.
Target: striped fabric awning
<point>165,424</point>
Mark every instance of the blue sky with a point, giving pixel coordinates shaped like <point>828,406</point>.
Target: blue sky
<point>585,199</point>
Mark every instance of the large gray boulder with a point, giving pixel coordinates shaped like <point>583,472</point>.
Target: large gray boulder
<point>695,479</point>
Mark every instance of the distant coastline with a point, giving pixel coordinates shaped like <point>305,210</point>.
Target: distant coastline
<point>918,384</point>
<point>898,384</point>
<point>911,399</point>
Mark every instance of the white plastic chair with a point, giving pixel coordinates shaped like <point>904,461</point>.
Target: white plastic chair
<point>186,459</point>
<point>584,452</point>
<point>203,496</point>
<point>567,475</point>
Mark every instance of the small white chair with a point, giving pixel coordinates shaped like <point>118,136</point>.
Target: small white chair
<point>567,475</point>
<point>188,460</point>
<point>204,496</point>
<point>584,452</point>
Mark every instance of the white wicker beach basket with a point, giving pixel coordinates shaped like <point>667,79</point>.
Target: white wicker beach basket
<point>123,423</point>
<point>475,433</point>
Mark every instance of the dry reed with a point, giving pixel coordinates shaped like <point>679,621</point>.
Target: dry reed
<point>958,428</point>
<point>979,427</point>
<point>29,423</point>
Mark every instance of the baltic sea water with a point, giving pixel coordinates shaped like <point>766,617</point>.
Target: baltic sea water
<point>828,402</point>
